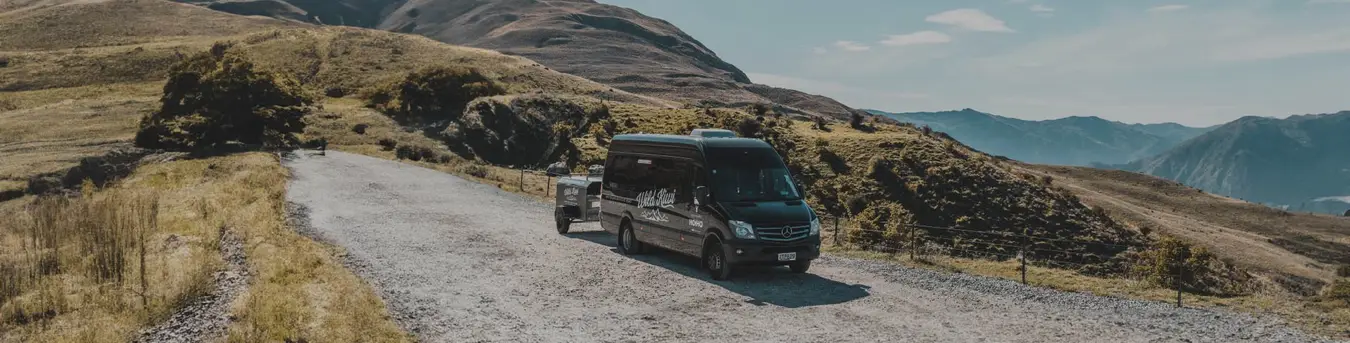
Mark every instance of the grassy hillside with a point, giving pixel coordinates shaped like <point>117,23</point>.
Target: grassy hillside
<point>1299,249</point>
<point>612,45</point>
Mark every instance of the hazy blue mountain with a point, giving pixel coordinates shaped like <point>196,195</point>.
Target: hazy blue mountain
<point>1302,162</point>
<point>1066,141</point>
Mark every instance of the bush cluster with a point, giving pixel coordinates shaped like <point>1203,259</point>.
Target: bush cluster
<point>433,94</point>
<point>217,97</point>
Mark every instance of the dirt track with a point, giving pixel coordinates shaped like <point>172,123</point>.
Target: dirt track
<point>459,261</point>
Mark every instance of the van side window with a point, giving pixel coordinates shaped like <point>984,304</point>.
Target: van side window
<point>623,176</point>
<point>665,174</point>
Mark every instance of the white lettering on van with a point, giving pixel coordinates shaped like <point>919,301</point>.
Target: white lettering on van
<point>653,201</point>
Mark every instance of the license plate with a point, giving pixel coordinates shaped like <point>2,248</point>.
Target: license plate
<point>787,256</point>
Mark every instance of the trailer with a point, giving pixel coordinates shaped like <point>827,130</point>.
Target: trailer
<point>577,200</point>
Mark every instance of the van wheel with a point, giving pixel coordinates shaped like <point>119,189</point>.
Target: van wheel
<point>800,267</point>
<point>715,260</point>
<point>628,242</point>
<point>560,219</point>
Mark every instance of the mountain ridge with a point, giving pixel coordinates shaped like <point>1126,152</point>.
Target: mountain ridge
<point>1075,140</point>
<point>1280,162</point>
<point>613,45</point>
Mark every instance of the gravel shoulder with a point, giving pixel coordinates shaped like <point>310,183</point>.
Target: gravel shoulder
<point>459,261</point>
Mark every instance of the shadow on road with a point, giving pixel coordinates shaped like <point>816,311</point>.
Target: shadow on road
<point>763,284</point>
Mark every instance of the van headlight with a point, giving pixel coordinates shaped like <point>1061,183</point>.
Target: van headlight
<point>742,229</point>
<point>815,226</point>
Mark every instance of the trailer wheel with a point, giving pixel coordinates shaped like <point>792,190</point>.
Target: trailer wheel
<point>561,220</point>
<point>800,267</point>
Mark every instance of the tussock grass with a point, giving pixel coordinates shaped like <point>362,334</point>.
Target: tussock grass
<point>93,268</point>
<point>299,291</point>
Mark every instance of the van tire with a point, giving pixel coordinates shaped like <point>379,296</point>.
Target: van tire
<point>560,219</point>
<point>800,267</point>
<point>715,260</point>
<point>628,242</point>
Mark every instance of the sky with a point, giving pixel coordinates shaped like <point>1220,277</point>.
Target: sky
<point>1194,62</point>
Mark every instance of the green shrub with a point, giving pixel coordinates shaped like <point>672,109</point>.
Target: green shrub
<point>439,93</point>
<point>820,124</point>
<point>403,152</point>
<point>750,127</point>
<point>1339,290</point>
<point>1173,263</point>
<point>758,109</point>
<point>475,170</point>
<point>855,120</point>
<point>1343,271</point>
<point>360,129</point>
<point>388,144</point>
<point>882,224</point>
<point>215,97</point>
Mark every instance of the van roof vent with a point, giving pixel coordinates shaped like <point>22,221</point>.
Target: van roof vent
<point>713,133</point>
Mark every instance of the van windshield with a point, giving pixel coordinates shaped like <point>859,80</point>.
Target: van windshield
<point>749,174</point>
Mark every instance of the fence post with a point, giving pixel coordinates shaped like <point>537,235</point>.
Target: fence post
<point>1176,282</point>
<point>522,180</point>
<point>836,231</point>
<point>913,239</point>
<point>1023,255</point>
<point>548,186</point>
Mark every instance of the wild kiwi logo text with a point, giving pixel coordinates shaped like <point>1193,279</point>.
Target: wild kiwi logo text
<point>653,201</point>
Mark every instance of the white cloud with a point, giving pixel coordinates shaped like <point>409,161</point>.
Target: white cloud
<point>1168,8</point>
<point>852,46</point>
<point>970,19</point>
<point>921,37</point>
<point>1137,42</point>
<point>1039,8</point>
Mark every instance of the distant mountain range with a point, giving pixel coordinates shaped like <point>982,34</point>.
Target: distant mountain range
<point>1080,141</point>
<point>1301,162</point>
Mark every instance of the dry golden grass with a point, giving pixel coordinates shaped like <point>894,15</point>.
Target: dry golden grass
<point>299,289</point>
<point>356,59</point>
<point>1254,236</point>
<point>79,273</point>
<point>54,136</point>
<point>54,25</point>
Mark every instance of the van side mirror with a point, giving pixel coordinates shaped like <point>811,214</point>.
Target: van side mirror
<point>701,195</point>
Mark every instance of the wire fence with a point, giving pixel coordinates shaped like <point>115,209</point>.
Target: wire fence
<point>921,242</point>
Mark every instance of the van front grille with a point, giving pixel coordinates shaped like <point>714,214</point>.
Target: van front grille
<point>783,233</point>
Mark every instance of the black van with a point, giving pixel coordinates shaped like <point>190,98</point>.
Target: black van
<point>729,201</point>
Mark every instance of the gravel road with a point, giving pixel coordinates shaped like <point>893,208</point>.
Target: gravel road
<point>459,261</point>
